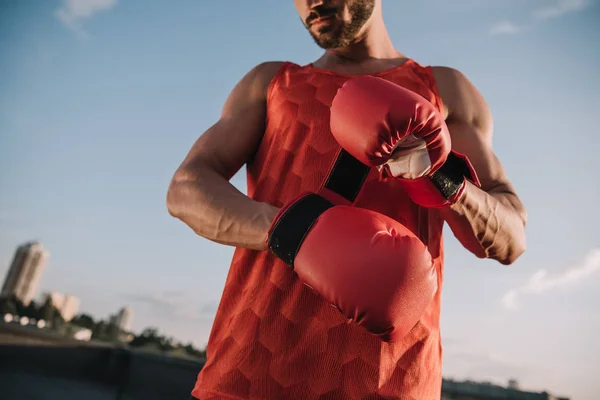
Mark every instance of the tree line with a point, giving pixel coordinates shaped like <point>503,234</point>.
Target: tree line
<point>44,311</point>
<point>149,339</point>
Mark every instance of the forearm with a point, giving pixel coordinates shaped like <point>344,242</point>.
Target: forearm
<point>216,210</point>
<point>489,224</point>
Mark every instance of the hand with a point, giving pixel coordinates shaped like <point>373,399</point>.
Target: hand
<point>369,266</point>
<point>381,123</point>
<point>410,159</point>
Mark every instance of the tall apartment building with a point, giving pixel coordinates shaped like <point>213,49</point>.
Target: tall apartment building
<point>25,272</point>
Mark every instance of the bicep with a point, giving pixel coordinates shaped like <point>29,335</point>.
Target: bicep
<point>470,124</point>
<point>469,140</point>
<point>228,144</point>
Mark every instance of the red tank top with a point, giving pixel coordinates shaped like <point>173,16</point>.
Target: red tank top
<point>273,337</point>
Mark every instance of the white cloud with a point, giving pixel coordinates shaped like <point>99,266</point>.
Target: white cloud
<point>73,12</point>
<point>510,299</point>
<point>558,9</point>
<point>561,8</point>
<point>505,28</point>
<point>174,305</point>
<point>542,282</point>
<point>464,363</point>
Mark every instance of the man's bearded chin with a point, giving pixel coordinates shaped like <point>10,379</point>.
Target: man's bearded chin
<point>331,37</point>
<point>342,34</point>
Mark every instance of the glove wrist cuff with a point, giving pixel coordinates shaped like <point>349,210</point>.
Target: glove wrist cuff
<point>293,223</point>
<point>449,179</point>
<point>444,186</point>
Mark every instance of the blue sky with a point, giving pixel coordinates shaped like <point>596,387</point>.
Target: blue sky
<point>101,99</point>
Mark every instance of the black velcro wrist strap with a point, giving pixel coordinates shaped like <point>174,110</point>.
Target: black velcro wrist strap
<point>293,225</point>
<point>347,176</point>
<point>450,177</point>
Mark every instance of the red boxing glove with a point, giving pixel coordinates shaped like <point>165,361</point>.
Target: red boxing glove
<point>371,267</point>
<point>377,121</point>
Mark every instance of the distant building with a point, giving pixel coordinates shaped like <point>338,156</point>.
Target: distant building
<point>66,305</point>
<point>123,319</point>
<point>25,272</point>
<point>513,384</point>
<point>83,334</point>
<point>468,390</point>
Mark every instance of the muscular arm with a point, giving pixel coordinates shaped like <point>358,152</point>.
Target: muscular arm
<point>488,221</point>
<point>200,194</point>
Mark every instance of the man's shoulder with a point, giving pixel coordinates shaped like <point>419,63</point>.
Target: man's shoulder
<point>266,71</point>
<point>269,67</point>
<point>449,80</point>
<point>258,79</point>
<point>463,103</point>
<point>447,72</point>
<point>458,93</point>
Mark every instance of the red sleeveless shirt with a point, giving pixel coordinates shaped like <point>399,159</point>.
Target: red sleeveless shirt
<point>273,337</point>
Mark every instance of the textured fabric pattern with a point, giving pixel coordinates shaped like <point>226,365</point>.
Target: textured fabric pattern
<point>273,337</point>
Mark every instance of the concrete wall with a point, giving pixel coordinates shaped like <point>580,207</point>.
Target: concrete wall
<point>50,372</point>
<point>478,391</point>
